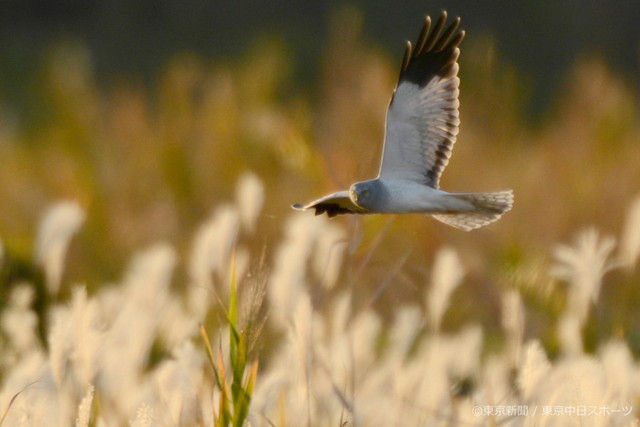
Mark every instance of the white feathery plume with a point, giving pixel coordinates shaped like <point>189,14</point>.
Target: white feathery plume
<point>211,251</point>
<point>464,413</point>
<point>495,386</point>
<point>177,324</point>
<point>239,260</point>
<point>446,276</point>
<point>150,271</point>
<point>271,389</point>
<point>623,376</point>
<point>204,252</point>
<point>128,339</point>
<point>67,403</point>
<point>48,404</point>
<point>403,333</point>
<point>145,416</point>
<point>513,323</point>
<point>361,369</point>
<point>338,353</point>
<point>570,333</point>
<point>57,227</point>
<point>574,381</point>
<point>464,350</point>
<point>228,226</point>
<point>200,291</point>
<point>332,333</point>
<point>426,378</point>
<point>30,378</point>
<point>423,382</point>
<point>206,404</point>
<point>21,296</point>
<point>297,381</point>
<point>364,332</point>
<point>583,266</point>
<point>534,369</point>
<point>60,344</point>
<point>250,197</point>
<point>19,323</point>
<point>84,410</point>
<point>328,256</point>
<point>288,279</point>
<point>86,335</point>
<point>178,381</point>
<point>301,334</point>
<point>629,249</point>
<point>73,349</point>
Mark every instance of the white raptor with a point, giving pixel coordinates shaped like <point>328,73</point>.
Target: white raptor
<point>422,124</point>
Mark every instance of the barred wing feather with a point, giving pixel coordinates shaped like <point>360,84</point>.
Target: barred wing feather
<point>422,119</point>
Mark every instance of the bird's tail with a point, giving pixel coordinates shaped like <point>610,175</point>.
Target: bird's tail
<point>488,207</point>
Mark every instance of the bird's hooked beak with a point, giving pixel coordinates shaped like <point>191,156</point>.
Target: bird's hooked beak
<point>353,194</point>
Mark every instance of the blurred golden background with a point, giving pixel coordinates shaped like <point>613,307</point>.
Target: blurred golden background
<point>150,138</point>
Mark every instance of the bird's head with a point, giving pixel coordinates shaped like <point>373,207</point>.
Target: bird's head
<point>364,193</point>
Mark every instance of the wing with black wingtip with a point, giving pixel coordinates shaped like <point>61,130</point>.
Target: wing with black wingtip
<point>334,204</point>
<point>422,119</point>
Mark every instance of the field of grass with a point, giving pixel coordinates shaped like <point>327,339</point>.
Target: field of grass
<point>153,273</point>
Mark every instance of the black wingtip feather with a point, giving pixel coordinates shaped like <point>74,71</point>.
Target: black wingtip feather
<point>442,42</point>
<point>434,52</point>
<point>422,38</point>
<point>455,42</point>
<point>331,210</point>
<point>433,36</point>
<point>407,57</point>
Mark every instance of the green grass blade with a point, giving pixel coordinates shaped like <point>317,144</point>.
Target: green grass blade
<point>210,356</point>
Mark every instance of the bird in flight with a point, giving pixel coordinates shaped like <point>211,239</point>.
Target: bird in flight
<point>422,125</point>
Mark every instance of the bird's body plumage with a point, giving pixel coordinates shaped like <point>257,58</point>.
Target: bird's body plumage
<point>421,129</point>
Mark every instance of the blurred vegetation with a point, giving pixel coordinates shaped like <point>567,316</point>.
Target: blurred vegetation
<point>127,38</point>
<point>150,165</point>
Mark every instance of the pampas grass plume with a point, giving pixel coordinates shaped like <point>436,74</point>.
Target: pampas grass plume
<point>445,278</point>
<point>58,226</point>
<point>583,266</point>
<point>84,410</point>
<point>250,198</point>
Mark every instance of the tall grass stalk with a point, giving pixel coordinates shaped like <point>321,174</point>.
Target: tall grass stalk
<point>235,396</point>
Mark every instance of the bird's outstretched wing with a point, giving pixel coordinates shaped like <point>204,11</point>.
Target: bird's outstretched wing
<point>422,119</point>
<point>334,204</point>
